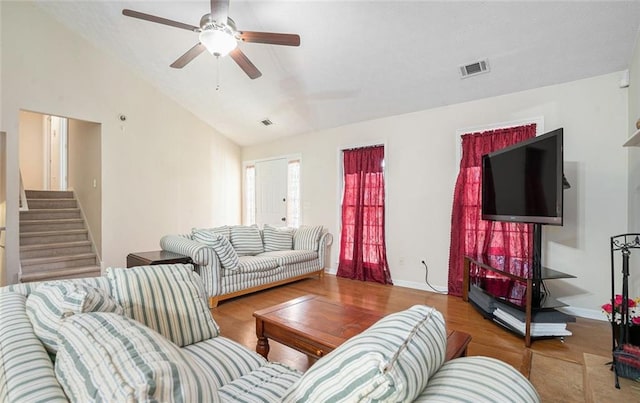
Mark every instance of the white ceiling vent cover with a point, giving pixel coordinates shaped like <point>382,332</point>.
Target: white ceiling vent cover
<point>473,69</point>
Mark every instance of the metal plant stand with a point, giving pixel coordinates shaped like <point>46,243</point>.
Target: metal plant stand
<point>623,243</point>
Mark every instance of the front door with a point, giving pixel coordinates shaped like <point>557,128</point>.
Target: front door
<point>271,192</point>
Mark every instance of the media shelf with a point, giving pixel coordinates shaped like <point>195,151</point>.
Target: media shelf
<point>518,271</point>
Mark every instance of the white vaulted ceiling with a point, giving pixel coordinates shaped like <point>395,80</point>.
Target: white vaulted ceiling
<point>358,60</point>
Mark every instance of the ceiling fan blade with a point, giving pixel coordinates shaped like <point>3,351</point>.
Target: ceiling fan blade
<point>188,56</point>
<point>220,10</point>
<point>159,20</point>
<point>245,64</point>
<point>270,38</point>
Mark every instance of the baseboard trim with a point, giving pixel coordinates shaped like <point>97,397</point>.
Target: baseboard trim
<point>401,283</point>
<point>421,286</point>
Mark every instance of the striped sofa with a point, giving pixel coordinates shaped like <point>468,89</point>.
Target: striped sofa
<point>237,260</point>
<point>125,337</point>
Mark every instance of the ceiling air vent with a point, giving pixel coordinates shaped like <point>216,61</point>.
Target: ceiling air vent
<point>473,69</point>
<point>266,122</point>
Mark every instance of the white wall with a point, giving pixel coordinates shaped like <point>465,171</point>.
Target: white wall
<point>31,149</point>
<point>85,170</point>
<point>421,170</point>
<point>164,170</point>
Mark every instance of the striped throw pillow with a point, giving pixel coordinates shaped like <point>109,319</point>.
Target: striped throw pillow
<point>221,245</point>
<point>51,302</point>
<point>307,237</point>
<point>223,230</point>
<point>391,361</point>
<point>107,357</point>
<point>246,240</point>
<point>169,299</point>
<point>478,379</point>
<point>276,239</point>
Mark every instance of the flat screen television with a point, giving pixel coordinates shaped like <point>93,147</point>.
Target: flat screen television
<point>523,182</point>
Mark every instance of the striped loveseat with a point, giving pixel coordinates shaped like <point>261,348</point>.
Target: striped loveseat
<point>146,334</point>
<point>237,260</point>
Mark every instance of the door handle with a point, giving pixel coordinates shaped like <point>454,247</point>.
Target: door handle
<point>283,219</point>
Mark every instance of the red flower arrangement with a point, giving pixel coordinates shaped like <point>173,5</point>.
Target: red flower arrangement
<point>614,312</point>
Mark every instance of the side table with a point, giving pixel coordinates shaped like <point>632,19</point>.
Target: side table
<point>156,257</point>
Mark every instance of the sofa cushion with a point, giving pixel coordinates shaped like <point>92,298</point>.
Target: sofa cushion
<point>285,257</point>
<point>168,298</point>
<point>224,359</point>
<point>221,245</point>
<point>268,383</point>
<point>223,230</point>
<point>275,238</point>
<point>108,357</point>
<point>391,361</point>
<point>26,371</point>
<point>51,302</point>
<point>478,379</point>
<point>246,240</point>
<point>256,263</point>
<point>307,237</point>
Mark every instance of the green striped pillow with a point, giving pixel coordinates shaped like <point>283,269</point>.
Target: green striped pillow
<point>478,379</point>
<point>276,239</point>
<point>391,361</point>
<point>307,237</point>
<point>223,230</point>
<point>107,357</point>
<point>170,299</point>
<point>246,240</point>
<point>51,302</point>
<point>221,245</point>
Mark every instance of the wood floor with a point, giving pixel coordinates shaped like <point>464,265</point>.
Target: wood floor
<point>236,321</point>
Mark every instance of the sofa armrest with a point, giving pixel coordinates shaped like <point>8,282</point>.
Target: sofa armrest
<point>208,265</point>
<point>185,246</point>
<point>324,249</point>
<point>26,371</point>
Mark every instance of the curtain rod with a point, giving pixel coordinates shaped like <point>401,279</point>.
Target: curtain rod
<point>362,148</point>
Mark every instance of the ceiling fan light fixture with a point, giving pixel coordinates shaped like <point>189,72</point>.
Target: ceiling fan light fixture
<point>218,42</point>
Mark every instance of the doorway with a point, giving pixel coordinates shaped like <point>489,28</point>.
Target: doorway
<point>63,153</point>
<point>56,148</point>
<point>272,192</point>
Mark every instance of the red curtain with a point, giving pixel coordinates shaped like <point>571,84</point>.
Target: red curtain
<point>470,235</point>
<point>363,253</point>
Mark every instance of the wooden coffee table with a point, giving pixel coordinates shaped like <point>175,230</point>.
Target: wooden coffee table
<point>315,326</point>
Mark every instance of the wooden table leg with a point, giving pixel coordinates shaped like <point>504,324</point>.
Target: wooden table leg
<point>262,347</point>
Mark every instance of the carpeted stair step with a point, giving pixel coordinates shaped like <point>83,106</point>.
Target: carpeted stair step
<point>50,214</point>
<point>51,203</point>
<point>51,225</point>
<point>54,240</point>
<point>55,249</point>
<point>48,194</point>
<point>49,237</point>
<point>74,272</point>
<point>58,262</point>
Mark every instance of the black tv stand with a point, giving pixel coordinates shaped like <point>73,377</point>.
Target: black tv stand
<point>536,285</point>
<point>529,304</point>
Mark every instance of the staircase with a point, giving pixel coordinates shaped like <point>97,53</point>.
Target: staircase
<point>54,241</point>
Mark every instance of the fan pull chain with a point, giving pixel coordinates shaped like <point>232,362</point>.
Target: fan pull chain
<point>218,73</point>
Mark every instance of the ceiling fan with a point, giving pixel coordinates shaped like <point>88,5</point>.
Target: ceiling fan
<point>218,35</point>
